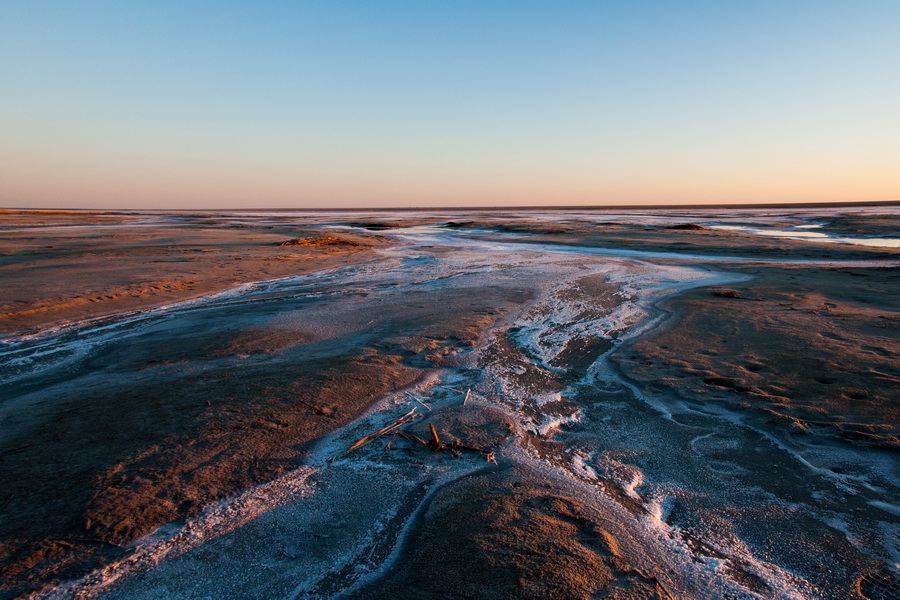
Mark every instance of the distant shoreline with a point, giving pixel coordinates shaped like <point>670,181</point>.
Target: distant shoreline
<point>591,208</point>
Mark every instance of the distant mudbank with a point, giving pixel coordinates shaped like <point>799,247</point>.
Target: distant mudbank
<point>328,240</point>
<point>687,227</point>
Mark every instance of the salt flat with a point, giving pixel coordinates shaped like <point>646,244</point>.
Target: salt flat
<point>632,404</point>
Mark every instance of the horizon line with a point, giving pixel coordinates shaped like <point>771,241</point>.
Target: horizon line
<point>742,206</point>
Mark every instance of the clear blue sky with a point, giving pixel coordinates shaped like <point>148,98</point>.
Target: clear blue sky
<point>224,104</point>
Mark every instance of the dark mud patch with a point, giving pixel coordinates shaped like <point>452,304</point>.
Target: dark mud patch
<point>500,533</point>
<point>687,227</point>
<point>801,355</point>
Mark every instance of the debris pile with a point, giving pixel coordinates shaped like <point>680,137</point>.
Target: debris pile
<point>434,442</point>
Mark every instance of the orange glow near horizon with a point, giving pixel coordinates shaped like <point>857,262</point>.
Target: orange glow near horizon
<point>90,185</point>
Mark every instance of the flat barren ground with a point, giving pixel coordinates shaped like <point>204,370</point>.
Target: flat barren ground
<point>458,405</point>
<point>64,266</point>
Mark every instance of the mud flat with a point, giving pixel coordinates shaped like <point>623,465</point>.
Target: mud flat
<point>60,266</point>
<point>554,405</point>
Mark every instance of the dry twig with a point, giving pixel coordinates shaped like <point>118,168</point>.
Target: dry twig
<point>418,401</point>
<point>435,440</point>
<point>407,418</point>
<point>315,408</point>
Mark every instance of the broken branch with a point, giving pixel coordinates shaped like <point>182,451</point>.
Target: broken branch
<point>435,440</point>
<point>407,418</point>
<point>418,401</point>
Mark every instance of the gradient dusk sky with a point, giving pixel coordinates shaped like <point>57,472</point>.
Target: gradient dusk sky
<point>226,104</point>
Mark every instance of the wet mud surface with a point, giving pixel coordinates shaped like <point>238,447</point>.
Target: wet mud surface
<point>560,421</point>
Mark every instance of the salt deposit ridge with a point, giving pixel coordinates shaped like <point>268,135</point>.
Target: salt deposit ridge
<point>693,496</point>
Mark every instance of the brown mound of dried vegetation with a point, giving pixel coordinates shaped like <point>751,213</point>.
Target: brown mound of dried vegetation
<point>328,240</point>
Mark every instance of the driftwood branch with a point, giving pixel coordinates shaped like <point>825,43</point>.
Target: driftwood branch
<point>414,399</point>
<point>407,418</point>
<point>434,442</point>
<point>435,439</point>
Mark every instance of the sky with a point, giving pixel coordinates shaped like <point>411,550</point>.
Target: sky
<point>422,103</point>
